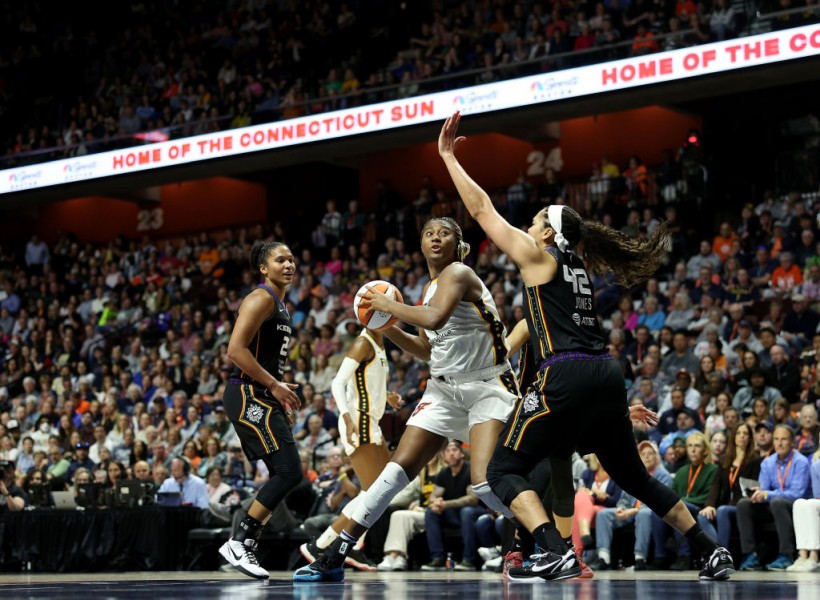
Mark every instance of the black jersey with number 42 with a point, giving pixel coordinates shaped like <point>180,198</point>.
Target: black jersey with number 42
<point>270,344</point>
<point>561,313</point>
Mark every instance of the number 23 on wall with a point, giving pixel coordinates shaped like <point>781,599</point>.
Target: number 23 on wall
<point>150,219</point>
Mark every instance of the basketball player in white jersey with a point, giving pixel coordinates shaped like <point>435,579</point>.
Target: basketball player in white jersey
<point>360,390</point>
<point>469,396</point>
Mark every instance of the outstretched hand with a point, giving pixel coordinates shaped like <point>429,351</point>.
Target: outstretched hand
<point>447,139</point>
<point>641,414</point>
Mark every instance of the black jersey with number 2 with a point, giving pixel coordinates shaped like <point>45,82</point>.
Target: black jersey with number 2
<point>270,344</point>
<point>561,313</point>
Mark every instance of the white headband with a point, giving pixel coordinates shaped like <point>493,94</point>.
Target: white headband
<point>554,216</point>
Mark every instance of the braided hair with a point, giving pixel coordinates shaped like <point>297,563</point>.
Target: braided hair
<point>462,247</point>
<point>606,250</point>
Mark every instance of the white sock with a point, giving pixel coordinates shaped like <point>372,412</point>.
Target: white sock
<point>604,555</point>
<point>326,539</point>
<point>375,501</point>
<point>491,501</point>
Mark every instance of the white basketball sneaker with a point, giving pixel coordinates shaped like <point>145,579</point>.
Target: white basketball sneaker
<point>242,558</point>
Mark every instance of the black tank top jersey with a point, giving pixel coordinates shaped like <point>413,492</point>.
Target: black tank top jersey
<point>561,314</point>
<point>270,344</point>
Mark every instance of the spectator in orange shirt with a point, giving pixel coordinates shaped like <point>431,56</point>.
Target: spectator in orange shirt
<point>787,277</point>
<point>722,244</point>
<point>645,42</point>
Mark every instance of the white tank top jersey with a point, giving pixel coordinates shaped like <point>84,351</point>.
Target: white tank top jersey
<point>367,389</point>
<point>473,338</point>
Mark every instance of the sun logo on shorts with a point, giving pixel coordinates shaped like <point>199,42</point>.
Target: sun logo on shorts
<point>531,403</point>
<point>254,413</point>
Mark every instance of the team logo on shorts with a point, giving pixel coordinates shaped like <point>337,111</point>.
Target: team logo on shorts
<point>254,413</point>
<point>531,403</point>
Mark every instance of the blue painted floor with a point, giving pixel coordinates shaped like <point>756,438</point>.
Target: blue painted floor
<point>398,586</point>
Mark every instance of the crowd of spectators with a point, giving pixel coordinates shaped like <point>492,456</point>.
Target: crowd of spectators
<point>158,70</point>
<point>113,356</point>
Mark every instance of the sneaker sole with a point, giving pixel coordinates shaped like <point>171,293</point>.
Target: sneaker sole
<point>235,564</point>
<point>303,549</point>
<point>522,579</point>
<point>360,565</point>
<point>721,575</point>
<point>321,578</point>
<point>568,574</point>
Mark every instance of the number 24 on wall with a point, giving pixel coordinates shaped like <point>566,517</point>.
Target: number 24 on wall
<point>150,219</point>
<point>539,162</point>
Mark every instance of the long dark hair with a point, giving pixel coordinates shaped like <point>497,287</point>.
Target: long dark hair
<point>462,247</point>
<point>260,252</point>
<point>607,250</point>
<point>731,447</point>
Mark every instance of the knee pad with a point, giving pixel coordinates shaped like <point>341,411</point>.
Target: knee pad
<point>350,507</point>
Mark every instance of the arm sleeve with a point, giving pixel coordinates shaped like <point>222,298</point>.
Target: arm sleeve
<point>339,385</point>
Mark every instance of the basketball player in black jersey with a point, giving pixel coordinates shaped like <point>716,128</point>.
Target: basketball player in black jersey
<point>256,400</point>
<point>578,392</point>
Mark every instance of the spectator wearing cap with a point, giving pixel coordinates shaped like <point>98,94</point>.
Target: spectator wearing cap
<point>758,387</point>
<point>81,460</point>
<point>784,374</point>
<point>763,439</point>
<point>746,337</point>
<point>686,423</point>
<point>784,477</point>
<point>800,323</point>
<point>629,510</point>
<point>806,439</point>
<point>12,497</point>
<point>691,397</point>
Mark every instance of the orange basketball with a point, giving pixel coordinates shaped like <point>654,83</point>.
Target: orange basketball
<point>376,319</point>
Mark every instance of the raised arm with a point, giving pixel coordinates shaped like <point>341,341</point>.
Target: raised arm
<point>519,246</point>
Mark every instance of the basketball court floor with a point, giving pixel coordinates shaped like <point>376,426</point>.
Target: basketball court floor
<point>399,586</point>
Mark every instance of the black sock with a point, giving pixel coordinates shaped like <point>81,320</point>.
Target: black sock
<point>337,551</point>
<point>524,543</point>
<point>568,542</point>
<point>548,538</point>
<point>249,528</point>
<point>700,540</point>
